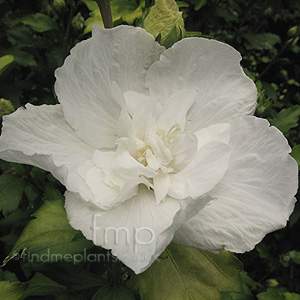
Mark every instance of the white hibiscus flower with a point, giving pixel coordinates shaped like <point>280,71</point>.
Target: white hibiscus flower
<point>158,144</point>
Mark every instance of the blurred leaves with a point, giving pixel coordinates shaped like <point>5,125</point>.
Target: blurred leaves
<point>262,40</point>
<point>114,292</point>
<point>40,285</point>
<point>39,22</point>
<point>11,190</point>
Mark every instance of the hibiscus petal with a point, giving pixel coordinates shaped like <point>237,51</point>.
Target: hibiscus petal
<point>133,100</point>
<point>175,109</point>
<point>212,69</point>
<point>40,136</point>
<point>138,230</point>
<point>161,184</point>
<point>206,169</point>
<point>113,59</point>
<point>216,132</point>
<point>254,197</point>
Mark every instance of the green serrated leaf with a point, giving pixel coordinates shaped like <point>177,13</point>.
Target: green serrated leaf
<point>270,294</point>
<point>291,296</point>
<point>286,119</point>
<point>5,61</point>
<point>114,292</point>
<point>11,290</point>
<point>40,22</point>
<point>296,153</point>
<point>49,237</point>
<point>11,190</point>
<point>165,18</point>
<point>41,285</point>
<point>187,273</point>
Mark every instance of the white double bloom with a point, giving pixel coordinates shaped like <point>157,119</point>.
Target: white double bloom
<point>146,137</point>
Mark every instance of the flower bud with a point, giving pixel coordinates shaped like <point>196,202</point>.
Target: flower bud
<point>6,107</point>
<point>293,31</point>
<point>78,22</point>
<point>165,22</point>
<point>59,4</point>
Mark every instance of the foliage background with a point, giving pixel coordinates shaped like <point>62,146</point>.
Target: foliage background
<point>36,36</point>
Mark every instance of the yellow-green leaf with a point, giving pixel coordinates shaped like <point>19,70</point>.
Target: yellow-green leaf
<point>5,61</point>
<point>186,273</point>
<point>11,290</point>
<point>11,190</point>
<point>49,237</point>
<point>166,20</point>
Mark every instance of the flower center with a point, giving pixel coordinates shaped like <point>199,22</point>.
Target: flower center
<point>155,152</point>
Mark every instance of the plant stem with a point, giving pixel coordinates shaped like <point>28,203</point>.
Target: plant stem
<point>66,37</point>
<point>104,6</point>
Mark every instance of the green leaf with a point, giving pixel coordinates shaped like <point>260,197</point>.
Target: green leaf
<point>17,218</point>
<point>11,290</point>
<point>41,285</point>
<point>70,275</point>
<point>114,292</point>
<point>295,256</point>
<point>291,296</point>
<point>24,36</point>
<point>8,276</point>
<point>286,119</point>
<point>40,22</point>
<point>197,34</point>
<point>296,153</point>
<point>198,4</point>
<point>49,237</point>
<point>295,217</point>
<point>270,294</point>
<point>186,273</point>
<point>5,61</point>
<point>22,58</point>
<point>11,190</point>
<point>182,4</point>
<point>262,40</point>
<point>248,285</point>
